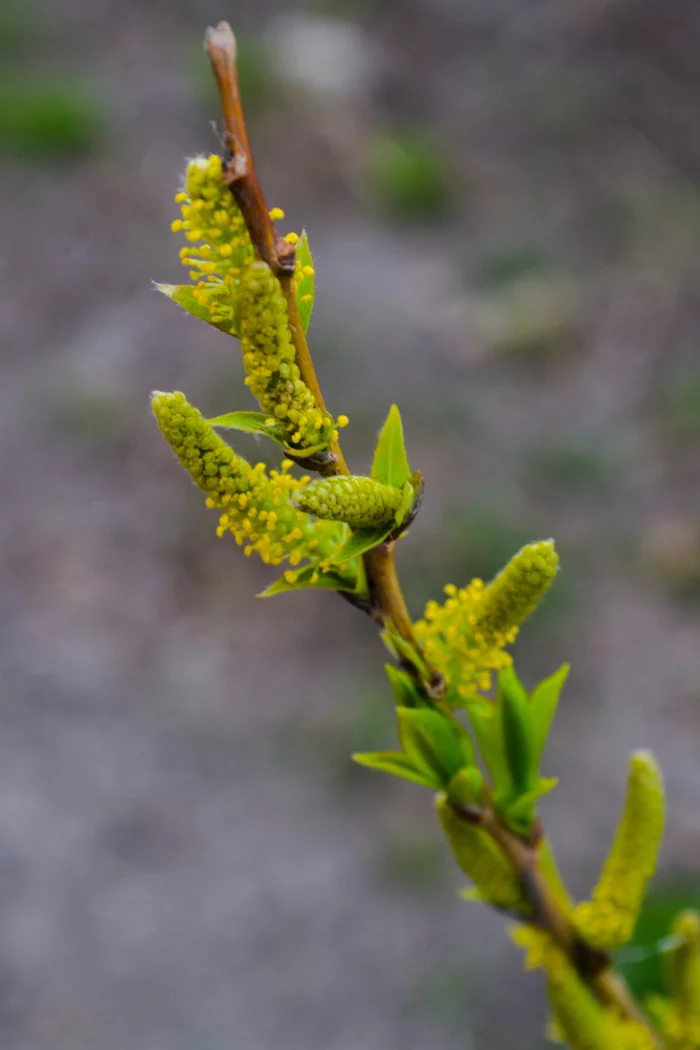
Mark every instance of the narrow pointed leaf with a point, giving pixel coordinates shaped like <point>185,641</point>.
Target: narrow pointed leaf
<point>486,726</point>
<point>543,704</point>
<point>306,288</point>
<point>406,692</point>
<point>249,423</point>
<point>390,464</point>
<point>361,541</point>
<point>183,295</point>
<point>397,764</point>
<point>304,581</point>
<point>516,724</point>
<point>432,740</point>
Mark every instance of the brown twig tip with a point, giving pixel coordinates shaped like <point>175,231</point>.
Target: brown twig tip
<point>221,38</point>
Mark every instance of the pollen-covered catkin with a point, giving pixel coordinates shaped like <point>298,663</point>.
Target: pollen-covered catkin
<point>607,921</point>
<point>465,638</point>
<point>481,859</point>
<point>269,359</point>
<point>210,215</point>
<point>358,501</point>
<point>257,506</point>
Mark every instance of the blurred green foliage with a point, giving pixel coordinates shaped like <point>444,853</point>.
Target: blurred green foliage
<point>642,961</point>
<point>57,119</point>
<point>572,466</point>
<point>409,176</point>
<point>500,267</point>
<point>681,403</point>
<point>19,26</point>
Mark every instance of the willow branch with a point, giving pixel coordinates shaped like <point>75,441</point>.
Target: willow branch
<point>387,600</point>
<point>592,965</point>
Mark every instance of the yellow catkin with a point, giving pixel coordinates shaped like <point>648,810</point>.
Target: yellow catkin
<point>219,244</point>
<point>481,859</point>
<point>579,1019</point>
<point>358,501</point>
<point>683,968</point>
<point>269,359</point>
<point>608,920</point>
<point>257,506</point>
<point>465,638</point>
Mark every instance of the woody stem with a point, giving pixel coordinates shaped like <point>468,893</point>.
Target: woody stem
<point>388,604</point>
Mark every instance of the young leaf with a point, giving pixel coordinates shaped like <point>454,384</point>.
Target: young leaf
<point>520,813</point>
<point>434,742</point>
<point>390,463</point>
<point>305,289</point>
<point>402,650</point>
<point>304,580</point>
<point>543,704</point>
<point>406,692</point>
<point>183,295</point>
<point>362,540</point>
<point>396,763</point>
<point>466,787</point>
<point>486,726</point>
<point>250,423</point>
<point>514,706</point>
<point>407,497</point>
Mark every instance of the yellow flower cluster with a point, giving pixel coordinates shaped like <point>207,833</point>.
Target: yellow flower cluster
<point>269,359</point>
<point>243,297</point>
<point>257,506</point>
<point>358,501</point>
<point>608,920</point>
<point>466,637</point>
<point>210,214</point>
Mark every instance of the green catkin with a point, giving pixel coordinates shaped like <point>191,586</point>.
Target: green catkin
<point>607,921</point>
<point>358,501</point>
<point>269,359</point>
<point>683,968</point>
<point>481,859</point>
<point>517,591</point>
<point>583,1023</point>
<point>579,1019</point>
<point>257,506</point>
<point>465,638</point>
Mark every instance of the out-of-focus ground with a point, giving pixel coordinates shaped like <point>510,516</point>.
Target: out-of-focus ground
<point>502,199</point>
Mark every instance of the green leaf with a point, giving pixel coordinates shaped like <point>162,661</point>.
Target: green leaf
<point>362,540</point>
<point>466,787</point>
<point>183,295</point>
<point>305,453</point>
<point>543,704</point>
<point>486,726</point>
<point>398,765</point>
<point>407,497</point>
<point>250,423</point>
<point>402,650</point>
<point>434,742</point>
<point>306,285</point>
<point>516,724</point>
<point>326,581</point>
<point>406,692</point>
<point>521,810</point>
<point>390,464</point>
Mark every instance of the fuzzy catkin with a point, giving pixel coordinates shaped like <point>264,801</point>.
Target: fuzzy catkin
<point>607,921</point>
<point>257,506</point>
<point>358,501</point>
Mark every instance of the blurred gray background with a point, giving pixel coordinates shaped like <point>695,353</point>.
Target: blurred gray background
<point>503,203</point>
